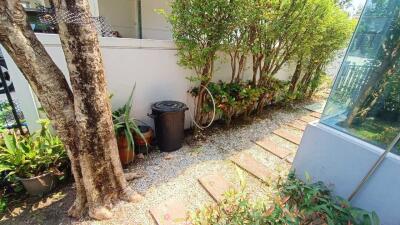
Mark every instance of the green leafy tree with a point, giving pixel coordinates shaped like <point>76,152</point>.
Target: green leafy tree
<point>290,27</point>
<point>271,32</point>
<point>199,28</point>
<point>240,39</point>
<point>332,30</point>
<point>380,85</point>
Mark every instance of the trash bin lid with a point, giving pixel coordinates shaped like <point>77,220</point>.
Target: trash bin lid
<point>169,106</point>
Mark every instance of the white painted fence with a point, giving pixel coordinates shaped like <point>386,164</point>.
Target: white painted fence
<point>151,64</point>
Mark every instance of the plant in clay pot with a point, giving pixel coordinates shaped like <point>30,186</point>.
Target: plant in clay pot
<point>34,160</point>
<point>141,144</point>
<point>125,130</point>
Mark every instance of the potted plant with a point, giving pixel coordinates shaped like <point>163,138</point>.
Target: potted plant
<point>141,144</point>
<point>34,160</point>
<point>125,130</point>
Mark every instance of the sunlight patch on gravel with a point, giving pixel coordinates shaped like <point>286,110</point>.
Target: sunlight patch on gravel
<point>175,175</point>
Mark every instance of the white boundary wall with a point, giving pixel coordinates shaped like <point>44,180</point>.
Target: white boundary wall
<point>151,64</point>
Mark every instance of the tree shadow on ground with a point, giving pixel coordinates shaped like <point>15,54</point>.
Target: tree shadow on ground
<point>48,209</point>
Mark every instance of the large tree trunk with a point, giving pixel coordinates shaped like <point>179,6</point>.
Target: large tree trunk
<point>102,172</point>
<point>46,80</point>
<point>82,119</point>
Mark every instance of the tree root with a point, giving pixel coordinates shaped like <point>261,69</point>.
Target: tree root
<point>130,195</point>
<point>132,176</point>
<point>77,209</point>
<point>100,213</point>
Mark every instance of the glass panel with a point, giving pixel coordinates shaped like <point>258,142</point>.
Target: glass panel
<point>365,99</point>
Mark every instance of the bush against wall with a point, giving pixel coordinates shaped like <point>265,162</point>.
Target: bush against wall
<point>260,34</point>
<point>199,28</point>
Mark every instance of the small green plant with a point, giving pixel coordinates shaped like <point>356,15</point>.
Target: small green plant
<point>3,204</point>
<point>30,156</point>
<point>124,124</point>
<point>298,203</point>
<point>237,208</point>
<point>315,202</point>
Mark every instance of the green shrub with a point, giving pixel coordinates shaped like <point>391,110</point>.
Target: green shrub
<point>298,203</point>
<point>3,204</point>
<point>235,99</point>
<point>236,208</point>
<point>262,35</point>
<point>29,156</point>
<point>315,202</point>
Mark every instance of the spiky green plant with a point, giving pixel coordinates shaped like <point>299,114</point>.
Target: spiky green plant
<point>124,124</point>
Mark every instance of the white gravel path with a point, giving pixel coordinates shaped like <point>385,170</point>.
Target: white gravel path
<point>174,175</point>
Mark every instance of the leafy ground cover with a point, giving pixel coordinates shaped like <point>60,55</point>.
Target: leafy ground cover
<point>297,202</point>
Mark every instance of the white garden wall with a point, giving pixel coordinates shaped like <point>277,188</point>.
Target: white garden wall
<point>154,25</point>
<point>151,64</point>
<point>120,15</point>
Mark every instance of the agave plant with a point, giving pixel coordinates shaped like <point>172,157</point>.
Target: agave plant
<point>34,155</point>
<point>124,124</point>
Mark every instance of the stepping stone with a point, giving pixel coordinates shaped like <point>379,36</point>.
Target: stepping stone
<point>316,115</point>
<point>252,166</point>
<point>308,119</point>
<point>288,136</point>
<point>216,186</point>
<point>298,124</point>
<point>316,107</point>
<point>274,148</point>
<point>289,160</point>
<point>172,212</point>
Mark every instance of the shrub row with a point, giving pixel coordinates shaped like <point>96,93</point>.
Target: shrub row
<point>261,36</point>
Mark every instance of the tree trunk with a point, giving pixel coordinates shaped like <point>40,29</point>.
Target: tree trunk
<point>242,67</point>
<point>295,77</point>
<point>257,59</point>
<point>206,76</point>
<point>233,65</point>
<point>102,172</point>
<point>48,83</point>
<point>388,56</point>
<point>386,69</point>
<point>82,119</point>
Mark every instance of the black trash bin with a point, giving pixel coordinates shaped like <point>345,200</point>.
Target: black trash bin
<point>169,120</point>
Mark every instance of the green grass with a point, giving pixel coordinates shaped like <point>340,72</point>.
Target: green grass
<point>378,132</point>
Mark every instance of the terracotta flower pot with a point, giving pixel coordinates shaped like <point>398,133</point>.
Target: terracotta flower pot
<point>148,135</point>
<point>126,153</point>
<point>40,184</point>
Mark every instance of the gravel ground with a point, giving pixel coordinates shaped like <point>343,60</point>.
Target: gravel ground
<point>174,175</point>
<point>221,144</point>
<point>186,188</point>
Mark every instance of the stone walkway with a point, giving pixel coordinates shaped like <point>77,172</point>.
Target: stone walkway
<point>215,184</point>
<point>180,182</point>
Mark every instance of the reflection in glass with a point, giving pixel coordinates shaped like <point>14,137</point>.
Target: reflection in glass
<point>365,99</point>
